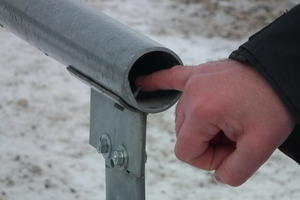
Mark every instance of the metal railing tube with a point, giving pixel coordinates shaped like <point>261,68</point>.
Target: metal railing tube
<point>97,46</point>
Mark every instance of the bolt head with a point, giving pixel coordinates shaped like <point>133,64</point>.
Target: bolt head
<point>119,157</point>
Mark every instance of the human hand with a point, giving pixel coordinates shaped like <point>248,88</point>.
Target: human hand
<point>228,118</point>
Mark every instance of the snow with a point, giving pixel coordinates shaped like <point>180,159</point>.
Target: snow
<point>44,124</point>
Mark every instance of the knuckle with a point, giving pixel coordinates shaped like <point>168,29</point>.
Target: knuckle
<point>201,110</point>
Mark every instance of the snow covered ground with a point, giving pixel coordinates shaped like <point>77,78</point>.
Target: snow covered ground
<point>44,123</point>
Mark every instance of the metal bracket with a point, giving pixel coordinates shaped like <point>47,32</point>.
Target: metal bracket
<point>118,131</point>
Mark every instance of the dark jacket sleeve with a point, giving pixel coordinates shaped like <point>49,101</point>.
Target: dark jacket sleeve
<point>275,53</point>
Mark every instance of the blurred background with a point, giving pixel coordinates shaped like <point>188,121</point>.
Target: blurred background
<point>232,19</point>
<point>44,111</point>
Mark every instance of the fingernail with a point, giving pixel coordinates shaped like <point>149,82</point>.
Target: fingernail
<point>219,179</point>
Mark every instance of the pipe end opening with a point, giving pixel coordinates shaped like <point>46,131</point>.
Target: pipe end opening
<point>148,63</point>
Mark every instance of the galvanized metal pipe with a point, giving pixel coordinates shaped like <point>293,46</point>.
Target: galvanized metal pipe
<point>102,49</point>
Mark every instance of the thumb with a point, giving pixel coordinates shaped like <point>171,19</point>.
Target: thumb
<point>174,78</point>
<point>245,160</point>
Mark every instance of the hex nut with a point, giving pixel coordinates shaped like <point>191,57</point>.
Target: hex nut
<point>119,157</point>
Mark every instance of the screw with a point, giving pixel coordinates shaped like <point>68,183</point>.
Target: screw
<point>119,157</point>
<point>103,145</point>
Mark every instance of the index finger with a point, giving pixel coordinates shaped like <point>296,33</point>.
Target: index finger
<point>174,78</point>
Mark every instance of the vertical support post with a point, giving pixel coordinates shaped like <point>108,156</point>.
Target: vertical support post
<point>118,132</point>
